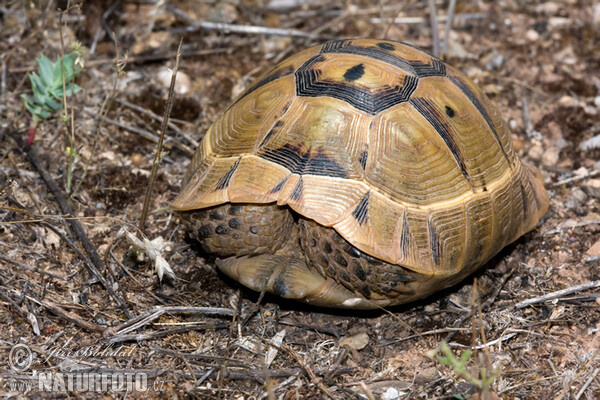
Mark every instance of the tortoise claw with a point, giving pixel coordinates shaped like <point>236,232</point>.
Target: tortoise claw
<point>290,277</point>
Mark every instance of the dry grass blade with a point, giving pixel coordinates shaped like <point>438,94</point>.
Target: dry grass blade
<point>163,130</point>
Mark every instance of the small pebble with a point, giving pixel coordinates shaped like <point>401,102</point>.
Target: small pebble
<point>592,188</point>
<point>564,257</point>
<point>532,35</point>
<point>535,152</point>
<point>183,83</point>
<point>356,342</point>
<point>594,251</point>
<point>551,156</point>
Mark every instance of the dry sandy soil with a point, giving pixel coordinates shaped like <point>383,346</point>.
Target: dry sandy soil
<point>539,62</point>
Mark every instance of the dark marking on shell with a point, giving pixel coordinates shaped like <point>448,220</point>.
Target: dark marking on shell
<point>355,72</point>
<point>362,159</point>
<point>428,110</point>
<point>362,209</point>
<point>404,236</point>
<point>271,132</point>
<point>280,185</point>
<point>224,181</point>
<point>477,103</point>
<point>386,46</point>
<point>308,84</point>
<point>449,111</point>
<point>529,174</point>
<point>351,250</point>
<point>413,67</point>
<point>304,162</point>
<point>297,193</point>
<point>434,243</point>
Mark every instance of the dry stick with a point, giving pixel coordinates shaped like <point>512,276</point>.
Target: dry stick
<point>149,136</point>
<point>96,263</point>
<point>32,269</point>
<point>421,20</point>
<point>557,294</point>
<point>434,28</point>
<point>151,315</point>
<point>23,313</point>
<point>306,368</point>
<point>163,130</point>
<point>139,59</point>
<point>577,178</point>
<point>448,26</point>
<point>155,117</point>
<point>66,315</point>
<point>232,28</point>
<point>166,332</point>
<point>587,383</point>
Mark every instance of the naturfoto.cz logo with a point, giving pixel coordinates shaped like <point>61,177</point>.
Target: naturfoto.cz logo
<point>21,358</point>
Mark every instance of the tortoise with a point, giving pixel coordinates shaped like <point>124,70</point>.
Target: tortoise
<point>358,174</point>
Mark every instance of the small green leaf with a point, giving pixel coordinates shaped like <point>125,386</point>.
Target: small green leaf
<point>45,69</point>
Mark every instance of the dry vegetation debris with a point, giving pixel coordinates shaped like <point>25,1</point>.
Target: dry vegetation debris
<point>202,336</point>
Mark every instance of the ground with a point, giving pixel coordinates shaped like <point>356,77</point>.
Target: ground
<point>69,301</point>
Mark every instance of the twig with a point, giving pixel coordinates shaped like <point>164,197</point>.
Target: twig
<point>66,315</point>
<point>23,313</point>
<point>151,315</point>
<point>233,28</point>
<point>557,294</point>
<point>448,26</point>
<point>156,117</point>
<point>96,263</point>
<point>587,383</point>
<point>568,227</point>
<point>577,178</point>
<point>166,332</point>
<point>434,28</point>
<point>421,20</point>
<point>525,113</point>
<point>313,377</point>
<point>136,59</point>
<point>32,269</point>
<point>485,345</point>
<point>149,136</point>
<point>163,130</point>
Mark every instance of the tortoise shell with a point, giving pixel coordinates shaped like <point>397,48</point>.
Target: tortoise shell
<point>395,150</point>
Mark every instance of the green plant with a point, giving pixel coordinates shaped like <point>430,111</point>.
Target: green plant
<point>48,88</point>
<point>460,366</point>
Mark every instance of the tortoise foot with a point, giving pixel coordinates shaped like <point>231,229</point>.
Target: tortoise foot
<point>290,277</point>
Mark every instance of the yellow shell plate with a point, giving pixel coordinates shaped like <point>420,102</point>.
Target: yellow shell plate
<point>399,152</point>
